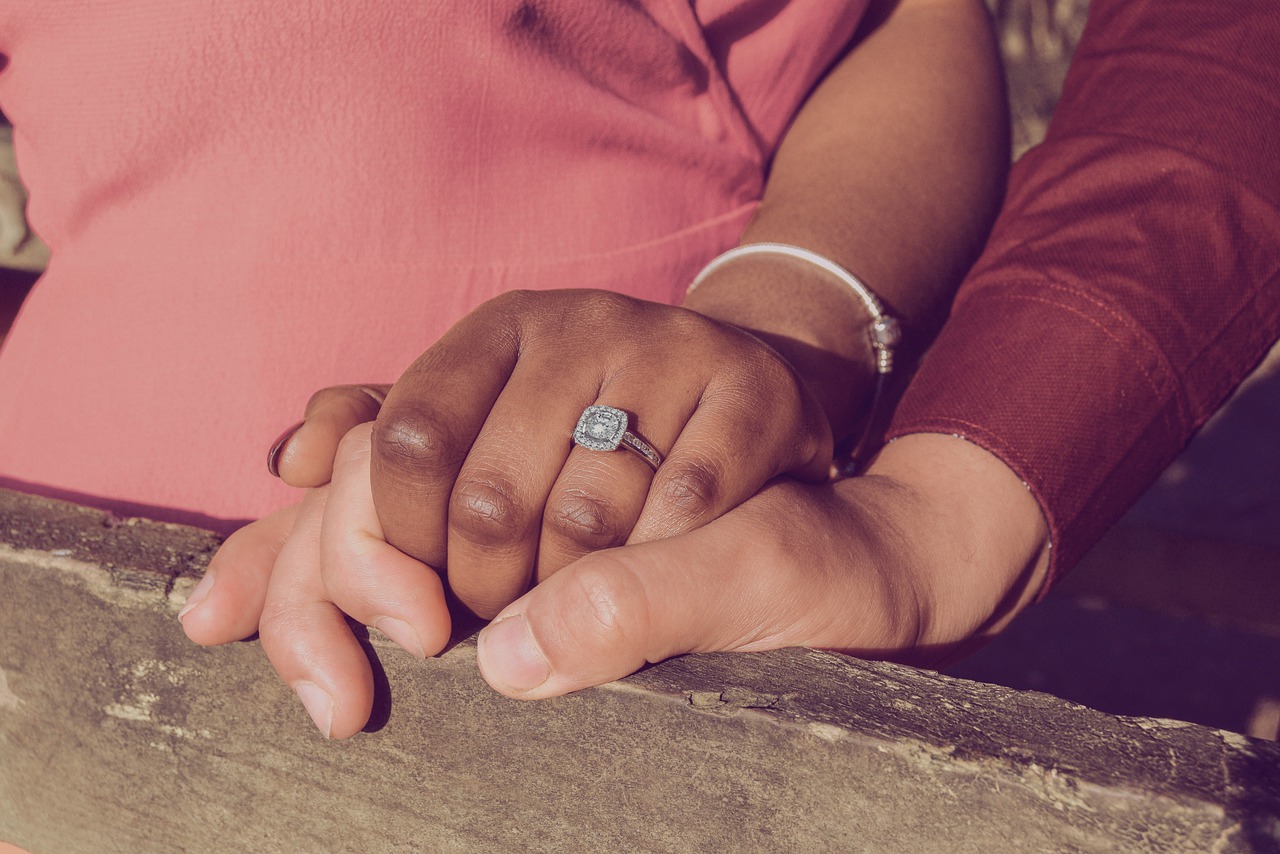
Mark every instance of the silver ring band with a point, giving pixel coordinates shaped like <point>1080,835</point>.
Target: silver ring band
<point>647,452</point>
<point>604,428</point>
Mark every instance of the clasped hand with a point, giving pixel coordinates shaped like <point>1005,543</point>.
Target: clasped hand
<point>469,471</point>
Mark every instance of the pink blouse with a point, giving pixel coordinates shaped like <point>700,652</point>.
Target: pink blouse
<point>248,201</point>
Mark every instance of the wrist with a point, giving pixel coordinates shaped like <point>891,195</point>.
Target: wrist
<point>980,539</point>
<point>811,319</point>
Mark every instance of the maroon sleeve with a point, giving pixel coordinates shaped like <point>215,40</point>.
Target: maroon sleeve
<point>1133,277</point>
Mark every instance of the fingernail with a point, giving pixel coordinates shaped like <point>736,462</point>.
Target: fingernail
<point>317,703</point>
<point>379,396</point>
<point>277,447</point>
<point>402,633</point>
<point>197,595</point>
<point>511,656</point>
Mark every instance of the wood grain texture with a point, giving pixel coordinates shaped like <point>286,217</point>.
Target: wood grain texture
<point>117,734</point>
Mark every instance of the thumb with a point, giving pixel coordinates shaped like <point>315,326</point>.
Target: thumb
<point>735,584</point>
<point>591,623</point>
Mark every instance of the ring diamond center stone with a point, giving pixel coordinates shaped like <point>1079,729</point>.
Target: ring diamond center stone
<point>600,428</point>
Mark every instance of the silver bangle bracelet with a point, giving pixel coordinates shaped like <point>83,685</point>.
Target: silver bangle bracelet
<point>884,332</point>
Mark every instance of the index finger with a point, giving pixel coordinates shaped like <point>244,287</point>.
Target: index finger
<point>428,423</point>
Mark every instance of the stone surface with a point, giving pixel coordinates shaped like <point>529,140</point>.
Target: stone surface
<point>116,734</point>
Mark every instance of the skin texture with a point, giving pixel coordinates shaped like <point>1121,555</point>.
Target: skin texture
<point>935,548</point>
<point>468,470</point>
<point>906,570</point>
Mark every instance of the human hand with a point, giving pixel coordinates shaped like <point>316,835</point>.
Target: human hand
<point>289,577</point>
<point>938,546</point>
<point>932,551</point>
<point>292,576</point>
<point>303,455</point>
<point>472,464</point>
<point>267,576</point>
<point>473,471</point>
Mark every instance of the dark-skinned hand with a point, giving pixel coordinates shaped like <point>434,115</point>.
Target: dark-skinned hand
<point>477,477</point>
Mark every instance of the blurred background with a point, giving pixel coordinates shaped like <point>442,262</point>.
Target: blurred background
<point>1176,613</point>
<point>22,255</point>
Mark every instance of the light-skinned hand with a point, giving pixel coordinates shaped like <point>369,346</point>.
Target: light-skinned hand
<point>472,459</point>
<point>936,547</point>
<point>481,481</point>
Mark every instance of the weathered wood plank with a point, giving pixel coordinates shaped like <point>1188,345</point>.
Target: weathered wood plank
<point>116,734</point>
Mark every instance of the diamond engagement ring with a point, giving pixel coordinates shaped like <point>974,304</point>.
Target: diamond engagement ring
<point>603,428</point>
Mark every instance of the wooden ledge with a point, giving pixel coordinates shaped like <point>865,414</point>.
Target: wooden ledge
<point>117,734</point>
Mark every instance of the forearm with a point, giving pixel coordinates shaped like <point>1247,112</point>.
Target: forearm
<point>1131,281</point>
<point>894,169</point>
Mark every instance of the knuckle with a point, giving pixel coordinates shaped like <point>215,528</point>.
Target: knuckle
<point>689,489</point>
<point>512,306</point>
<point>607,302</point>
<point>698,327</point>
<point>487,511</point>
<point>509,320</point>
<point>358,402</point>
<point>514,300</point>
<point>612,601</point>
<point>418,441</point>
<point>589,520</point>
<point>605,310</point>
<point>319,399</point>
<point>280,627</point>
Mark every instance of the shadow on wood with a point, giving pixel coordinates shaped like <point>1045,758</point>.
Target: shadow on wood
<point>117,734</point>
